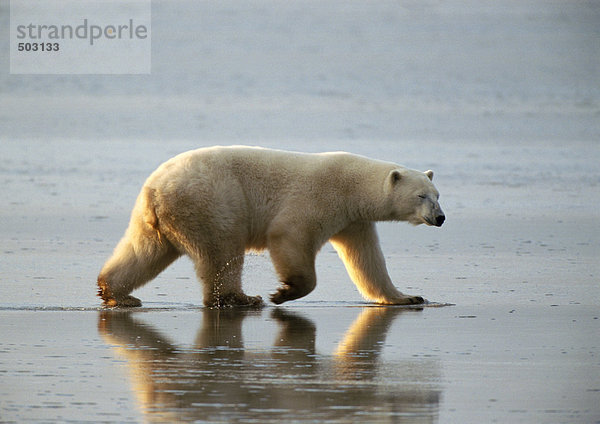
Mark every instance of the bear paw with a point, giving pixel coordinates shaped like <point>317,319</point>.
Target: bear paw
<point>232,300</point>
<point>283,294</point>
<point>126,302</point>
<point>292,289</point>
<point>407,300</point>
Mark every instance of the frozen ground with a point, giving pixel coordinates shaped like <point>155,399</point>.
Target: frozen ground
<point>501,100</point>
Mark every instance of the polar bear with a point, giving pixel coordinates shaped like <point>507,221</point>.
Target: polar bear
<point>216,203</point>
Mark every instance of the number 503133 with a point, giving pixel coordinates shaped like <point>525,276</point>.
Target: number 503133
<point>38,47</point>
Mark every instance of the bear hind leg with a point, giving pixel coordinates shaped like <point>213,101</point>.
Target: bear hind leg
<point>134,262</point>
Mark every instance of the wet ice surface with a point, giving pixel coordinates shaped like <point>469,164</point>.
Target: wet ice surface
<point>501,101</point>
<point>307,362</point>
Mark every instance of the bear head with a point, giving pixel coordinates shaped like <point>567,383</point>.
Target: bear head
<point>414,198</point>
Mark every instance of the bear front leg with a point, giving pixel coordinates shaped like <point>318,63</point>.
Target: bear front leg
<point>293,287</point>
<point>294,261</point>
<point>358,247</point>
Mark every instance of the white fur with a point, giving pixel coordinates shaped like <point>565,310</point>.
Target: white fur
<point>215,204</point>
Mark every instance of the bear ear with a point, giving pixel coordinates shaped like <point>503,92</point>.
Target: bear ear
<point>395,176</point>
<point>429,174</point>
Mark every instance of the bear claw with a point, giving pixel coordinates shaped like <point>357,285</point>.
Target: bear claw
<point>283,294</point>
<point>278,297</point>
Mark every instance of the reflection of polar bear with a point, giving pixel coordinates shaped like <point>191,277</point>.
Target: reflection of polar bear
<point>281,377</point>
<point>214,204</point>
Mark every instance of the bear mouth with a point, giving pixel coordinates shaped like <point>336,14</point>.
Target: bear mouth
<point>439,220</point>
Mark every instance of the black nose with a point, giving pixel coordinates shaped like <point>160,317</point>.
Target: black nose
<point>439,220</point>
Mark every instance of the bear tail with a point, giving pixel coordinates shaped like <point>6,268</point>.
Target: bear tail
<point>147,205</point>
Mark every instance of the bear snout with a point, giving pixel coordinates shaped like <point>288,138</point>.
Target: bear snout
<point>439,220</point>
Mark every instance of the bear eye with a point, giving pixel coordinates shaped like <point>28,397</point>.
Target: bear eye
<point>422,196</point>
